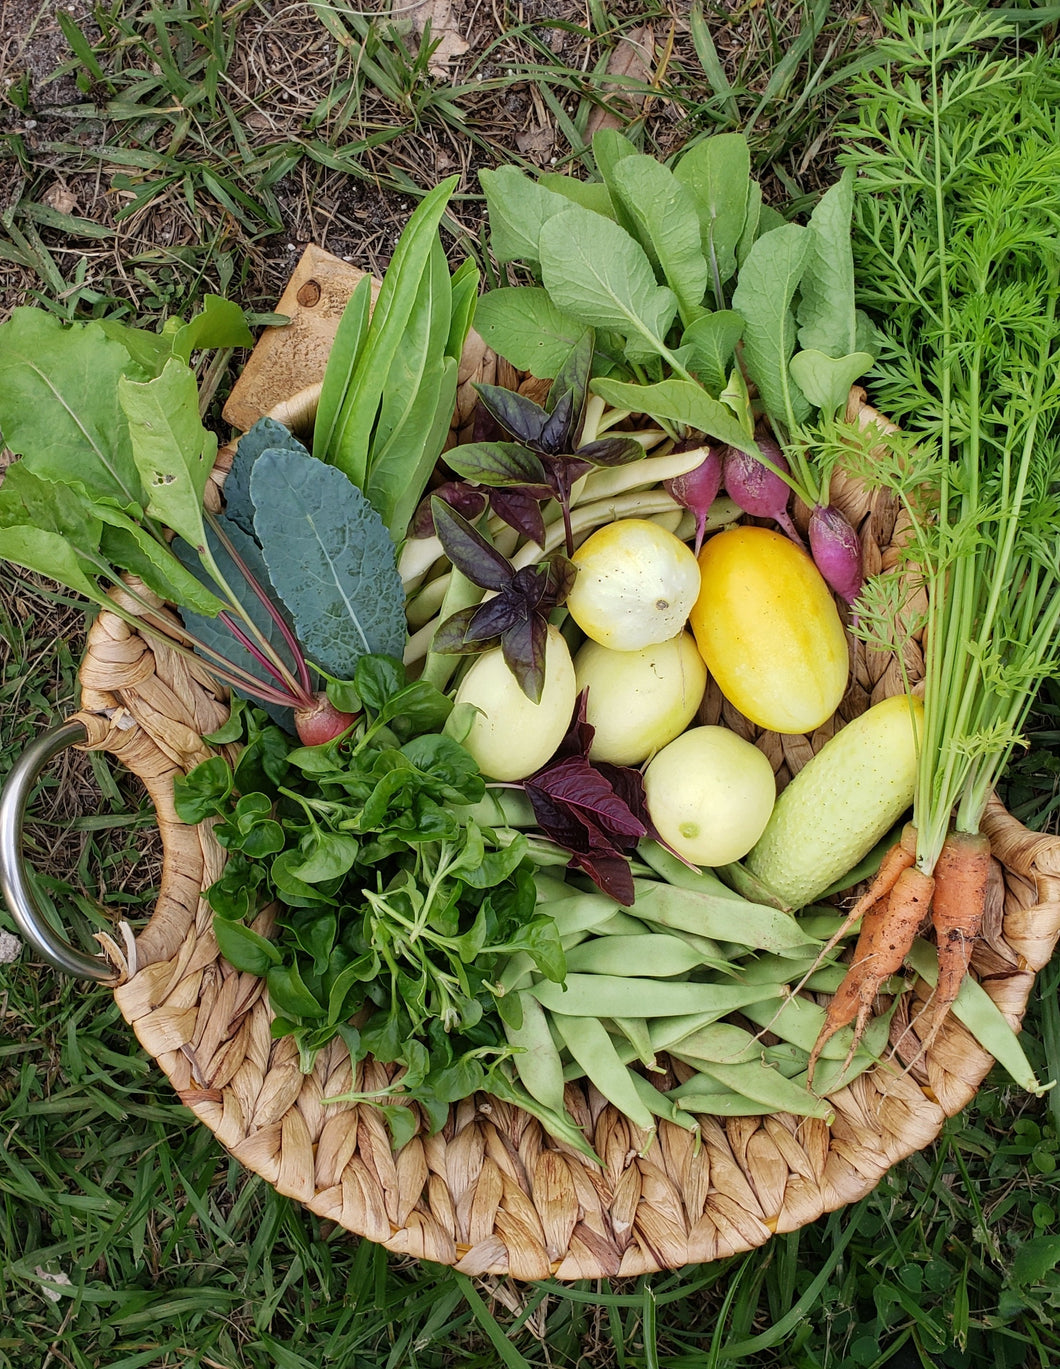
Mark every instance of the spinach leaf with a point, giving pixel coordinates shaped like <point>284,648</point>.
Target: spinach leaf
<point>330,560</point>
<point>522,324</point>
<point>220,323</point>
<point>663,213</point>
<point>59,404</point>
<point>763,295</point>
<point>599,274</point>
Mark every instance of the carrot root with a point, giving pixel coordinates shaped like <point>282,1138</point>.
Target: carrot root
<point>888,928</point>
<point>962,873</point>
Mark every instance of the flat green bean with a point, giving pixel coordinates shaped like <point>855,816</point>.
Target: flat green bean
<point>660,1105</point>
<point>590,1045</point>
<point>722,919</point>
<point>635,1032</point>
<point>536,1061</point>
<point>764,1084</point>
<point>725,1104</point>
<point>720,1041</point>
<point>602,995</point>
<point>621,924</point>
<point>976,1010</point>
<point>674,871</point>
<point>668,1031</point>
<point>653,954</point>
<point>800,1020</point>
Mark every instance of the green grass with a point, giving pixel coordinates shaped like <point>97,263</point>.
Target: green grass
<point>156,153</point>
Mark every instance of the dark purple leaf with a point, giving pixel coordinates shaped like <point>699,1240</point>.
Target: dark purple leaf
<point>562,473</point>
<point>458,495</point>
<point>561,575</point>
<point>610,873</point>
<point>468,550</point>
<point>579,735</point>
<point>557,436</point>
<point>611,451</point>
<point>584,790</point>
<point>530,583</point>
<point>524,654</point>
<point>556,820</point>
<point>450,637</point>
<point>517,414</point>
<point>572,379</point>
<point>497,463</point>
<point>521,510</point>
<point>628,784</point>
<point>496,616</point>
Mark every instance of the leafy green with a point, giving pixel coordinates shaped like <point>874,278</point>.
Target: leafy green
<point>330,559</point>
<point>763,297</point>
<point>663,213</point>
<point>826,314</point>
<point>680,401</point>
<point>522,324</point>
<point>708,345</point>
<point>717,172</point>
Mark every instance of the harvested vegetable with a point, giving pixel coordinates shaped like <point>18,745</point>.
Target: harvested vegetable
<point>710,794</point>
<point>637,701</point>
<point>635,585</point>
<point>769,631</point>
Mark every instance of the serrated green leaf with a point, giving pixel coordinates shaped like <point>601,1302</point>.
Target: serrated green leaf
<point>593,270</point>
<point>59,404</point>
<point>330,559</point>
<point>679,401</point>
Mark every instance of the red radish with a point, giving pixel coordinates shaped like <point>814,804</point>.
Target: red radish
<point>697,490</point>
<point>837,552</point>
<point>320,721</point>
<point>758,490</point>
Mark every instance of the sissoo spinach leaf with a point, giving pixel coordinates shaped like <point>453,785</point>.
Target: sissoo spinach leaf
<point>330,559</point>
<point>522,325</point>
<point>595,271</point>
<point>663,213</point>
<point>173,452</point>
<point>59,404</point>
<point>763,295</point>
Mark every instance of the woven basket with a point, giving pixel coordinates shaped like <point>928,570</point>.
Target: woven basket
<point>492,1193</point>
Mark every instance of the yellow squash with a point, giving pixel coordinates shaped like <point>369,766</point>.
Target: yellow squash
<point>768,629</point>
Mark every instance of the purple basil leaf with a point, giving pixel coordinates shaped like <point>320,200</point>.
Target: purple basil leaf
<point>561,574</point>
<point>458,495</point>
<point>517,414</point>
<point>575,782</point>
<point>524,654</point>
<point>468,550</point>
<point>557,435</point>
<point>496,463</point>
<point>572,379</point>
<point>496,616</point>
<point>611,451</point>
<point>450,637</point>
<point>521,510</point>
<point>530,583</point>
<point>610,873</point>
<point>562,472</point>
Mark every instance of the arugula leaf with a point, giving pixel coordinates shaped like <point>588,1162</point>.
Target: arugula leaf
<point>522,324</point>
<point>763,295</point>
<point>595,271</point>
<point>59,404</point>
<point>330,560</point>
<point>173,452</point>
<point>679,401</point>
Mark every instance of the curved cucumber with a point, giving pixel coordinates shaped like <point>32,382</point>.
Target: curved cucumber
<point>841,803</point>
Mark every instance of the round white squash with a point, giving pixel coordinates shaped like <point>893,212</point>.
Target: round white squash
<point>639,700</point>
<point>511,736</point>
<point>710,794</point>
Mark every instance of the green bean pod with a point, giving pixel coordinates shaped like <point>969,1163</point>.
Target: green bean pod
<point>590,1045</point>
<point>601,995</point>
<point>537,1060</point>
<point>722,919</point>
<point>761,1083</point>
<point>633,1032</point>
<point>652,953</point>
<point>661,1105</point>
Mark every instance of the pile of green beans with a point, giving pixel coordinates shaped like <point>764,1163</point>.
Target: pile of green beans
<point>665,975</point>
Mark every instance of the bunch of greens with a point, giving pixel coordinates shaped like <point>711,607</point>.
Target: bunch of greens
<point>959,263</point>
<point>694,289</point>
<point>388,393</point>
<point>397,909</point>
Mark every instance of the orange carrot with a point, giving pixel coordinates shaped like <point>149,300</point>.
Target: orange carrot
<point>961,876</point>
<point>887,931</point>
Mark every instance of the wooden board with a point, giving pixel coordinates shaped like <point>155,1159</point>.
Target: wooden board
<point>291,357</point>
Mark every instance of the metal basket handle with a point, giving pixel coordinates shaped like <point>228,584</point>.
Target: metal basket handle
<point>15,885</point>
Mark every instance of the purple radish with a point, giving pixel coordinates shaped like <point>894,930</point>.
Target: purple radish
<point>758,490</point>
<point>836,551</point>
<point>697,489</point>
